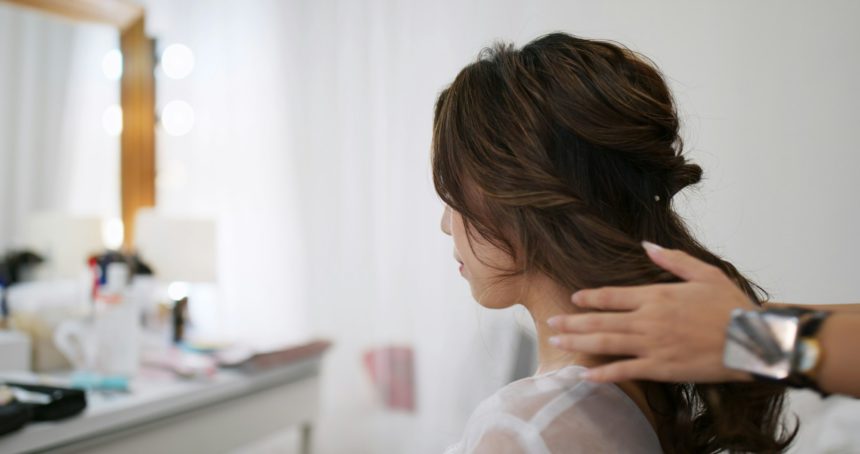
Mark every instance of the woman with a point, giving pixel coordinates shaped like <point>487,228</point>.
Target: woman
<point>555,162</point>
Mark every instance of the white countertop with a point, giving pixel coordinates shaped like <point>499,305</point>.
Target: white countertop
<point>153,396</point>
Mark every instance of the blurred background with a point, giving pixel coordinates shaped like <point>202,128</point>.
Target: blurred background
<point>299,132</point>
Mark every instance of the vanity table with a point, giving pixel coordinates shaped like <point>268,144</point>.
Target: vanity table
<point>163,414</point>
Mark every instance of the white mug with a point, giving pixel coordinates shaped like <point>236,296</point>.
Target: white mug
<point>107,343</point>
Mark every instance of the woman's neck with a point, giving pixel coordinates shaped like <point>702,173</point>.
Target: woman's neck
<point>545,299</point>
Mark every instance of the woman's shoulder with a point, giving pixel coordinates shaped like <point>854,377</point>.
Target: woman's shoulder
<point>563,389</point>
<point>558,412</point>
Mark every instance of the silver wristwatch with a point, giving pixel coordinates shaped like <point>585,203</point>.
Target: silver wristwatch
<point>775,344</point>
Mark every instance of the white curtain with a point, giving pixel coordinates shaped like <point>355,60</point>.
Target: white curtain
<point>312,146</point>
<point>32,53</point>
<point>54,154</point>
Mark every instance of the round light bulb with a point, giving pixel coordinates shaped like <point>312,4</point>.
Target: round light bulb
<point>177,118</point>
<point>177,290</point>
<point>112,64</point>
<point>112,120</point>
<point>177,61</point>
<point>112,233</point>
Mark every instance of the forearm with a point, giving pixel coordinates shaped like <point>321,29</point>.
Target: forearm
<point>841,308</point>
<point>839,372</point>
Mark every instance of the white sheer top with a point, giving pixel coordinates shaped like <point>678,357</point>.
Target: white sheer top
<point>557,412</point>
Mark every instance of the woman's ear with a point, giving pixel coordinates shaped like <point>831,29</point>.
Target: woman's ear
<point>446,220</point>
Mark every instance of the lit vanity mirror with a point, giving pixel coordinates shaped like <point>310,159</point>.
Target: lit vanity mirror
<point>60,127</point>
<point>76,156</point>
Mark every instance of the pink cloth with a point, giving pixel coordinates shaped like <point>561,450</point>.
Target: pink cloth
<point>392,372</point>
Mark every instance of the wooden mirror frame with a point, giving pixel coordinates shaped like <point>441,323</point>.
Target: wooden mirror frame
<point>137,96</point>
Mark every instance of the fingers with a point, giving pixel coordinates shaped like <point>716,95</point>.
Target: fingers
<point>600,344</point>
<point>592,323</point>
<point>630,369</point>
<point>677,262</point>
<point>611,298</point>
<point>682,264</point>
<point>625,298</point>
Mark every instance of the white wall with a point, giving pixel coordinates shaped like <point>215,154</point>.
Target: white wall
<point>768,94</point>
<point>313,139</point>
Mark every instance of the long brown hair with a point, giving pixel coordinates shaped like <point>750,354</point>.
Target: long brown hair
<point>572,147</point>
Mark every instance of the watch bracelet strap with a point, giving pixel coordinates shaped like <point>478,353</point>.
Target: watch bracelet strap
<point>792,381</point>
<point>810,323</point>
<point>797,381</point>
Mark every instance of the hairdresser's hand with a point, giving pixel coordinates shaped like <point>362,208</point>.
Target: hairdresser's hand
<point>668,332</point>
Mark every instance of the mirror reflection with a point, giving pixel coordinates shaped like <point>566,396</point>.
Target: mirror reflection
<point>60,123</point>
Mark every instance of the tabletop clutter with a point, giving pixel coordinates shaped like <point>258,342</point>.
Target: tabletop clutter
<point>98,334</point>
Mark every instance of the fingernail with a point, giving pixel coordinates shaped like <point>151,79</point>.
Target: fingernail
<point>554,322</point>
<point>651,247</point>
<point>587,375</point>
<point>555,341</point>
<point>576,298</point>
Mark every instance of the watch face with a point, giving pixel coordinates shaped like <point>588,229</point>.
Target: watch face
<point>761,343</point>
